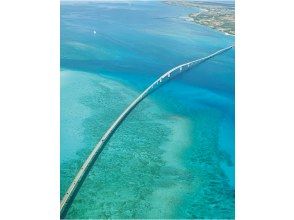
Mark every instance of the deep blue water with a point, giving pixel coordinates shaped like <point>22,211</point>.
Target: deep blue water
<point>173,157</point>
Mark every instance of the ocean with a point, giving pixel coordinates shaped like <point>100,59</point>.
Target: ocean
<point>173,156</point>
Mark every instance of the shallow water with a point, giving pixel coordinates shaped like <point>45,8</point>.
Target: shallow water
<point>173,156</point>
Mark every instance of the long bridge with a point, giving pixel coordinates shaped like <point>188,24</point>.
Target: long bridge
<point>84,170</point>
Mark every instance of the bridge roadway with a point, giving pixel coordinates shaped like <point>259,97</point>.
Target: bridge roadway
<point>81,175</point>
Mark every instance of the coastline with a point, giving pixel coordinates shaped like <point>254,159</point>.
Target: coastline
<point>217,16</point>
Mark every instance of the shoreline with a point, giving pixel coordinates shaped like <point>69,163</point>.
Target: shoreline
<point>189,19</point>
<point>201,11</point>
<point>217,16</point>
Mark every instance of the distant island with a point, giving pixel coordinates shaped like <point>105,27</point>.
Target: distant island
<point>216,15</point>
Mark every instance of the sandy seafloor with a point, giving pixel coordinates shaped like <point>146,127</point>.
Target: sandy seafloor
<point>173,156</point>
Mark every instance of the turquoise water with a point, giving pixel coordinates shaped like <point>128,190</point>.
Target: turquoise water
<point>173,156</point>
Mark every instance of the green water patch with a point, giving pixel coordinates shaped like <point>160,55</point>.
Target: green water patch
<point>140,165</point>
<point>89,105</point>
<point>162,162</point>
<point>138,168</point>
<point>211,196</point>
<point>206,184</point>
